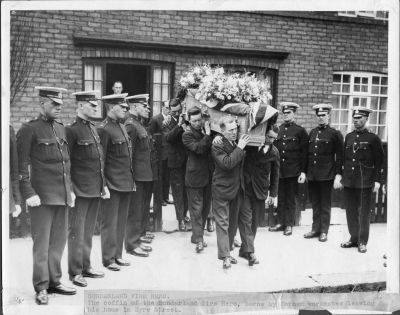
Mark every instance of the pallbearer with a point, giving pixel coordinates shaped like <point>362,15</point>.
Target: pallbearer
<point>87,166</point>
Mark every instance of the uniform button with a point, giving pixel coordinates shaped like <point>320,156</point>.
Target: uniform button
<point>354,160</point>
<point>358,136</point>
<point>285,128</point>
<point>315,162</point>
<point>319,131</point>
<point>283,160</point>
<point>65,174</point>
<point>284,136</point>
<point>315,154</point>
<point>316,146</point>
<point>283,151</point>
<point>352,168</point>
<point>283,143</point>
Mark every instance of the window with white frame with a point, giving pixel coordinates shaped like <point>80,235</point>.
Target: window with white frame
<point>360,89</point>
<point>379,15</point>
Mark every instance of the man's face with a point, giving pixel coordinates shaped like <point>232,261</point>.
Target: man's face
<point>166,111</point>
<point>142,110</point>
<point>196,121</point>
<point>117,88</point>
<point>88,109</point>
<point>288,116</point>
<point>176,111</point>
<point>359,122</point>
<point>50,108</point>
<point>270,137</point>
<point>230,131</point>
<point>323,119</point>
<point>119,111</point>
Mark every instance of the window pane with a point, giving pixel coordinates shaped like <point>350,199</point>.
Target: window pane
<point>156,108</point>
<point>374,103</point>
<point>88,85</point>
<point>375,80</point>
<point>157,75</point>
<point>336,88</point>
<point>336,77</point>
<point>344,117</point>
<point>335,116</point>
<point>356,88</point>
<point>384,80</point>
<point>357,80</point>
<point>364,102</point>
<point>346,88</point>
<point>364,80</point>
<point>356,100</point>
<point>98,85</point>
<point>373,118</point>
<point>383,103</point>
<point>364,88</point>
<point>88,73</point>
<point>375,89</point>
<point>335,101</point>
<point>156,92</point>
<point>165,94</point>
<point>381,132</point>
<point>382,118</point>
<point>346,78</point>
<point>97,73</point>
<point>384,90</point>
<point>165,76</point>
<point>345,102</point>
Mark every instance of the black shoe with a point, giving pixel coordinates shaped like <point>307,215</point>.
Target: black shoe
<point>187,219</point>
<point>210,225</point>
<point>252,259</point>
<point>145,239</point>
<point>145,248</point>
<point>181,225</point>
<point>199,247</point>
<point>362,248</point>
<point>78,280</point>
<point>236,243</point>
<point>227,263</point>
<point>233,260</point>
<point>122,262</point>
<point>62,289</point>
<point>323,237</point>
<point>276,228</point>
<point>91,273</point>
<point>42,298</point>
<point>288,231</point>
<point>348,244</point>
<point>138,252</point>
<point>113,267</point>
<point>311,234</point>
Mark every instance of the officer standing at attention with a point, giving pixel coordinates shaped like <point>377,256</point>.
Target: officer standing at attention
<point>87,166</point>
<point>325,160</point>
<point>138,214</point>
<point>292,146</point>
<point>118,172</point>
<point>44,173</point>
<point>362,175</point>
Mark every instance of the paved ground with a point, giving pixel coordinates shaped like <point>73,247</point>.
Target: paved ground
<point>285,263</point>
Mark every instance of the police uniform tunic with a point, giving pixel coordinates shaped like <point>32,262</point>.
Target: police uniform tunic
<point>139,210</point>
<point>87,166</point>
<point>325,160</point>
<point>291,143</point>
<point>118,173</point>
<point>42,146</point>
<point>363,160</point>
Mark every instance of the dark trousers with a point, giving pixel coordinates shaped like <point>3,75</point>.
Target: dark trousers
<point>320,193</point>
<point>138,215</point>
<point>358,212</point>
<point>287,200</point>
<point>165,179</point>
<point>114,213</point>
<point>177,180</point>
<point>199,201</point>
<point>226,221</point>
<point>82,220</point>
<point>49,234</point>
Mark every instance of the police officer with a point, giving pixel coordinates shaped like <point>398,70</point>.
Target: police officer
<point>87,166</point>
<point>362,175</point>
<point>42,147</point>
<point>118,172</point>
<point>291,143</point>
<point>325,160</point>
<point>138,216</point>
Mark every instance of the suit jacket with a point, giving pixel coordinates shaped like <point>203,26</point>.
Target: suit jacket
<point>141,149</point>
<point>156,126</point>
<point>176,150</point>
<point>325,154</point>
<point>199,164</point>
<point>15,195</point>
<point>261,171</point>
<point>363,159</point>
<point>42,146</point>
<point>227,176</point>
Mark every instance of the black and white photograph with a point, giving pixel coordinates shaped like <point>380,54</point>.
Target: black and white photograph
<point>200,157</point>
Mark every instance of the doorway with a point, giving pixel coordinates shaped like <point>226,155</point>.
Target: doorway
<point>134,78</point>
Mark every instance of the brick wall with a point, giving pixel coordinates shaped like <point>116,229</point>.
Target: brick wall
<point>316,48</point>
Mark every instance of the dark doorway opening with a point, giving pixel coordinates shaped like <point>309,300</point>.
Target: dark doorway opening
<point>134,78</point>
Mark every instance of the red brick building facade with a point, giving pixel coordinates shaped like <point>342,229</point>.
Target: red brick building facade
<point>310,57</point>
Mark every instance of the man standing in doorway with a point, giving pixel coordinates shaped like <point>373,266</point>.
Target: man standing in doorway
<point>362,175</point>
<point>292,146</point>
<point>324,170</point>
<point>118,172</point>
<point>87,175</point>
<point>45,182</point>
<point>117,87</point>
